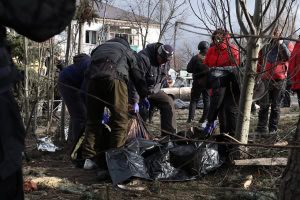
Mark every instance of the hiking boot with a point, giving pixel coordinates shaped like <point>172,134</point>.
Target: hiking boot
<point>89,164</point>
<point>273,133</point>
<point>261,132</point>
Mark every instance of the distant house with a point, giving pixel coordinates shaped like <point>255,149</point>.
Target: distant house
<point>117,22</point>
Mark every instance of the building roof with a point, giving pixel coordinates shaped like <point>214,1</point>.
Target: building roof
<point>115,13</point>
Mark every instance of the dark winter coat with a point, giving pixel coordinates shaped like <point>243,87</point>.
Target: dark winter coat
<point>74,74</point>
<point>115,60</point>
<point>155,73</point>
<point>37,20</point>
<point>194,63</point>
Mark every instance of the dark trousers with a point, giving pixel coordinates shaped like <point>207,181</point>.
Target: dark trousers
<point>167,111</point>
<point>230,113</point>
<point>224,105</point>
<point>112,94</point>
<point>298,96</point>
<point>195,96</point>
<point>76,107</point>
<point>273,98</point>
<point>11,188</point>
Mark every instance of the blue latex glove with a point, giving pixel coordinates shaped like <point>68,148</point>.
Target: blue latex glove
<point>209,128</point>
<point>144,103</point>
<point>105,118</point>
<point>136,108</point>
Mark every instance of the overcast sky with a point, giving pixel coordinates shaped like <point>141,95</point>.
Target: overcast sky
<point>194,39</point>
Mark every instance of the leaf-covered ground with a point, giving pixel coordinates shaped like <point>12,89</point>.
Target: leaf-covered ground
<point>57,178</point>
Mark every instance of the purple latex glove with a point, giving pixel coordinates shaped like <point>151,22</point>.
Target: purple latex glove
<point>209,128</point>
<point>105,118</point>
<point>144,103</point>
<point>136,108</point>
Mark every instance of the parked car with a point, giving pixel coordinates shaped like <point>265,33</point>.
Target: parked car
<point>181,89</point>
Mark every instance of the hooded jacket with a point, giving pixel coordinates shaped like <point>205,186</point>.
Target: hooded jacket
<point>74,74</point>
<point>155,73</point>
<point>218,56</point>
<point>195,63</point>
<point>294,67</point>
<point>273,59</point>
<point>115,60</point>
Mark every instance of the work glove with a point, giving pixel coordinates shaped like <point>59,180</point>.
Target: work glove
<point>144,103</point>
<point>136,108</point>
<point>209,128</point>
<point>105,118</point>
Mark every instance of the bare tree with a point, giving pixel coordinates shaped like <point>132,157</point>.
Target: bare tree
<point>143,12</point>
<point>289,187</point>
<point>161,12</point>
<point>255,29</point>
<point>183,55</point>
<point>85,14</point>
<point>26,95</point>
<point>169,12</point>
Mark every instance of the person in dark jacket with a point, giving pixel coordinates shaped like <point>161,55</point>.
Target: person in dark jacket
<point>154,60</point>
<point>112,65</point>
<point>196,90</point>
<point>273,64</point>
<point>70,83</point>
<point>32,19</point>
<point>222,80</point>
<point>222,54</point>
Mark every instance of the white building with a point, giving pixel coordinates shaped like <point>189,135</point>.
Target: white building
<point>117,22</point>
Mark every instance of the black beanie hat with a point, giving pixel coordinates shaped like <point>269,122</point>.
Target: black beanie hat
<point>165,51</point>
<point>200,71</point>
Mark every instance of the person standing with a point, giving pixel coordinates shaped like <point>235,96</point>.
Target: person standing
<point>39,21</point>
<point>196,89</point>
<point>70,85</point>
<point>294,69</point>
<point>223,99</point>
<point>273,64</point>
<point>112,65</point>
<point>155,62</point>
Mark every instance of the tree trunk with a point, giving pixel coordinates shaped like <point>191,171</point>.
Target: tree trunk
<point>51,76</point>
<point>242,128</point>
<point>289,188</point>
<point>63,105</point>
<point>26,80</point>
<point>80,38</point>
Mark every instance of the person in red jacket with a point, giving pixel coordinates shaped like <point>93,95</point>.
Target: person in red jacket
<point>224,101</point>
<point>273,64</point>
<point>294,69</point>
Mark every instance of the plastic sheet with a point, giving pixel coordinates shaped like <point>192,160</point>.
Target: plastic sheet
<point>179,104</point>
<point>66,132</point>
<point>47,145</point>
<point>163,160</point>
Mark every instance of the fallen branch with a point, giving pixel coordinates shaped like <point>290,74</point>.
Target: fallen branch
<point>262,162</point>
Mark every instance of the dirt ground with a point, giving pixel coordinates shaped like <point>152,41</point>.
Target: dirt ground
<point>57,178</point>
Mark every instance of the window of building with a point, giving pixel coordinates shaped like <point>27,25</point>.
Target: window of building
<point>91,37</point>
<point>130,34</point>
